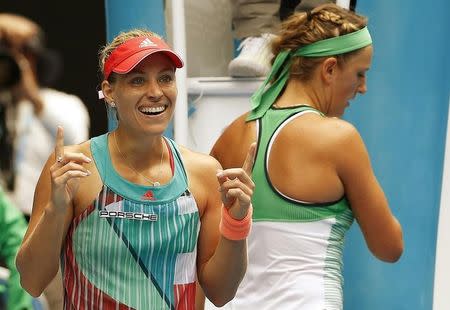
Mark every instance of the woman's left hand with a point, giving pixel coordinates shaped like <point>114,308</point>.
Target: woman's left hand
<point>236,186</point>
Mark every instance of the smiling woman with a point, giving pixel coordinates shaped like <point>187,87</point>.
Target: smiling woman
<point>136,216</point>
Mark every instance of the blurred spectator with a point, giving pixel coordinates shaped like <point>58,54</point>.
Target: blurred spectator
<point>254,23</point>
<point>29,114</point>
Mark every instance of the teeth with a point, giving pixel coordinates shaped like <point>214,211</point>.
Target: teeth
<point>152,109</point>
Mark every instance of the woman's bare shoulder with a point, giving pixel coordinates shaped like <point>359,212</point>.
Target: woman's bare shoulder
<point>339,130</point>
<point>201,171</point>
<point>327,133</point>
<point>231,147</point>
<point>340,142</point>
<point>237,127</point>
<point>196,161</point>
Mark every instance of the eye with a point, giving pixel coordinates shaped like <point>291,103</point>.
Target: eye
<point>166,78</point>
<point>362,74</point>
<point>137,80</point>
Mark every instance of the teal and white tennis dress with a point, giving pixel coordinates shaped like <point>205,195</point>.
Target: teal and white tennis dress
<point>134,247</point>
<point>295,248</point>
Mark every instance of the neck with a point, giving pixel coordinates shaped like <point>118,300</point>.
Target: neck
<point>140,152</point>
<point>307,93</point>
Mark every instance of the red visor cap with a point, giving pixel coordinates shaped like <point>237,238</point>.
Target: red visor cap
<point>130,53</point>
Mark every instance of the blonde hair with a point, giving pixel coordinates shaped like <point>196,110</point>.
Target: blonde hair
<point>323,22</point>
<point>106,51</point>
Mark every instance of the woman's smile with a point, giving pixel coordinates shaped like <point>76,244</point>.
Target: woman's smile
<point>153,110</point>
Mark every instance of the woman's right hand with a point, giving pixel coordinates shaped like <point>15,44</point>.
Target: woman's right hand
<point>66,173</point>
<point>236,186</point>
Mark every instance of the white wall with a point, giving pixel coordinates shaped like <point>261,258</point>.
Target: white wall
<point>441,300</point>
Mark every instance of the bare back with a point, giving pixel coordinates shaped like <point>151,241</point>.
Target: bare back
<point>300,161</point>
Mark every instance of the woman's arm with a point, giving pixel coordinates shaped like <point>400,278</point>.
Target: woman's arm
<point>381,230</point>
<point>222,262</point>
<point>38,257</point>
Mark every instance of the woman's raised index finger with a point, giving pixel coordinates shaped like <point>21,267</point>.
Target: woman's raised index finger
<point>59,145</point>
<point>250,159</point>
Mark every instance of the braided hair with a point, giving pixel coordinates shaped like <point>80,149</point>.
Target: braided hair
<point>303,28</point>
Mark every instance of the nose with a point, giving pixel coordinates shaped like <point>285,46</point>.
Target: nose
<point>154,91</point>
<point>362,89</point>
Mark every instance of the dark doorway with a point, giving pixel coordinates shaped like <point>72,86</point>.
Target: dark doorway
<point>76,29</point>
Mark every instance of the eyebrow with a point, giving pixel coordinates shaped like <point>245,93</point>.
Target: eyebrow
<point>137,71</point>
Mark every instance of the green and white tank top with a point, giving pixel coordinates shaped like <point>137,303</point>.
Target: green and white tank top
<point>135,246</point>
<point>295,248</point>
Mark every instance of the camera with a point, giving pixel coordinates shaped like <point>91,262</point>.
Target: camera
<point>48,63</point>
<point>10,73</point>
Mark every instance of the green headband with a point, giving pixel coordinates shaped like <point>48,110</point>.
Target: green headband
<point>266,95</point>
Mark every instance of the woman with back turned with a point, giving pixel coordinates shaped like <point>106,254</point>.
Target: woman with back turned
<point>312,172</point>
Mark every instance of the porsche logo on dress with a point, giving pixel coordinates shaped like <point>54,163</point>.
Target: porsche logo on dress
<point>129,215</point>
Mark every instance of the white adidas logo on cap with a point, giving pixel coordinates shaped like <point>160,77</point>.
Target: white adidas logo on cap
<point>147,42</point>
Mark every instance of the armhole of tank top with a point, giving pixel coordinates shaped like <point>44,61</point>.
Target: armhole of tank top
<point>99,159</point>
<point>258,131</point>
<point>178,158</point>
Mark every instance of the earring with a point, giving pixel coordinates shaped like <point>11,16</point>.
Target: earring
<point>112,104</point>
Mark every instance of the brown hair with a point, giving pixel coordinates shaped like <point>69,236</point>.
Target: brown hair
<point>106,51</point>
<point>303,28</point>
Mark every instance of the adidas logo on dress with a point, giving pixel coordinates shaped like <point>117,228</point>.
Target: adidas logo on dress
<point>148,195</point>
